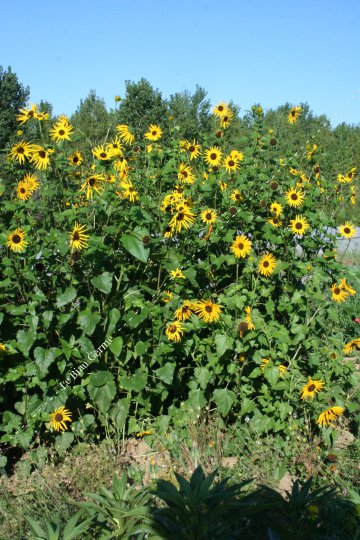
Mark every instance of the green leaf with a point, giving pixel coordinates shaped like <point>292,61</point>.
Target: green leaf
<point>100,378</point>
<point>63,441</point>
<point>116,346</point>
<point>202,376</point>
<point>66,297</point>
<point>224,399</point>
<point>103,282</point>
<point>166,373</point>
<point>25,340</point>
<point>44,358</point>
<point>114,316</point>
<point>223,343</point>
<point>88,320</point>
<point>272,374</point>
<point>135,247</point>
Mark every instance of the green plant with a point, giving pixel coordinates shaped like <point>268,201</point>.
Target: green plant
<point>73,529</point>
<point>199,510</point>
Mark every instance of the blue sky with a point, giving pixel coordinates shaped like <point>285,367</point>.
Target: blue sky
<point>246,50</point>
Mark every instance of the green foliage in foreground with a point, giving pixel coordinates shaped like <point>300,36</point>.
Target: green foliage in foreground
<point>201,509</point>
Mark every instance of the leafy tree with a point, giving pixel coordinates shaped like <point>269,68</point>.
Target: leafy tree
<point>13,96</point>
<point>191,112</point>
<point>92,119</point>
<point>142,106</point>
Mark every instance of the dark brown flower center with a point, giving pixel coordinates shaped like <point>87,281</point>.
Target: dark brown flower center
<point>103,155</point>
<point>59,417</point>
<point>191,148</point>
<point>22,190</point>
<point>16,239</point>
<point>213,156</point>
<point>220,108</point>
<point>231,162</point>
<point>180,216</point>
<point>311,388</point>
<point>317,169</point>
<point>294,197</point>
<point>75,159</point>
<point>208,309</point>
<point>154,133</point>
<point>172,329</point>
<point>92,182</point>
<point>266,264</point>
<point>274,185</point>
<point>237,196</point>
<point>337,290</point>
<point>76,236</point>
<point>298,225</point>
<point>347,230</point>
<point>184,173</point>
<point>61,132</point>
<point>208,215</point>
<point>42,154</point>
<point>21,150</point>
<point>240,245</point>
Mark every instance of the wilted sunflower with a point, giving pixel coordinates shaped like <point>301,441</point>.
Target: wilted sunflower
<point>294,197</point>
<point>235,154</point>
<point>208,216</point>
<point>310,388</point>
<point>299,225</point>
<point>27,113</point>
<point>40,156</point>
<point>241,246</point>
<point>193,149</point>
<point>213,156</point>
<point>207,311</point>
<point>185,311</point>
<point>102,153</point>
<point>115,147</point>
<point>78,239</point>
<point>351,346</point>
<point>220,109</point>
<point>226,119</point>
<point>154,133</point>
<point>327,417</point>
<point>167,296</point>
<point>347,230</point>
<point>267,264</point>
<point>312,151</point>
<point>236,196</point>
<point>16,241</point>
<point>125,134</point>
<point>185,174</point>
<point>183,218</point>
<point>276,208</point>
<point>76,159</point>
<point>59,419</point>
<point>61,131</point>
<point>174,331</point>
<point>20,152</point>
<point>338,293</point>
<point>223,185</point>
<point>294,114</point>
<point>23,191</point>
<point>176,274</point>
<point>231,164</point>
<point>94,183</point>
<point>42,115</point>
<point>344,285</point>
<point>248,319</point>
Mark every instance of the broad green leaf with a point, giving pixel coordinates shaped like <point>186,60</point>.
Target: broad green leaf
<point>44,358</point>
<point>135,247</point>
<point>116,346</point>
<point>66,297</point>
<point>25,340</point>
<point>88,320</point>
<point>103,282</point>
<point>166,373</point>
<point>224,399</point>
<point>223,343</point>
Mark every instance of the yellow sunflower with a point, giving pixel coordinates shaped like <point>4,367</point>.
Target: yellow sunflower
<point>294,197</point>
<point>207,311</point>
<point>2,348</point>
<point>182,218</point>
<point>344,285</point>
<point>276,208</point>
<point>174,331</point>
<point>125,134</point>
<point>299,225</point>
<point>327,417</point>
<point>154,133</point>
<point>275,222</point>
<point>236,196</point>
<point>115,147</point>
<point>167,296</point>
<point>235,154</point>
<point>208,216</point>
<point>27,113</point>
<point>61,131</point>
<point>312,151</point>
<point>267,264</point>
<point>78,239</point>
<point>40,156</point>
<point>226,119</point>
<point>94,183</point>
<point>129,192</point>
<point>185,174</point>
<point>294,115</point>
<point>351,346</point>
<point>193,149</point>
<point>42,115</point>
<point>59,419</point>
<point>220,109</point>
<point>23,191</point>
<point>231,164</point>
<point>347,230</point>
<point>76,159</point>
<point>176,274</point>
<point>16,241</point>
<point>241,246</point>
<point>310,388</point>
<point>248,319</point>
<point>213,156</point>
<point>20,151</point>
<point>185,311</point>
<point>338,293</point>
<point>103,154</point>
<point>223,185</point>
